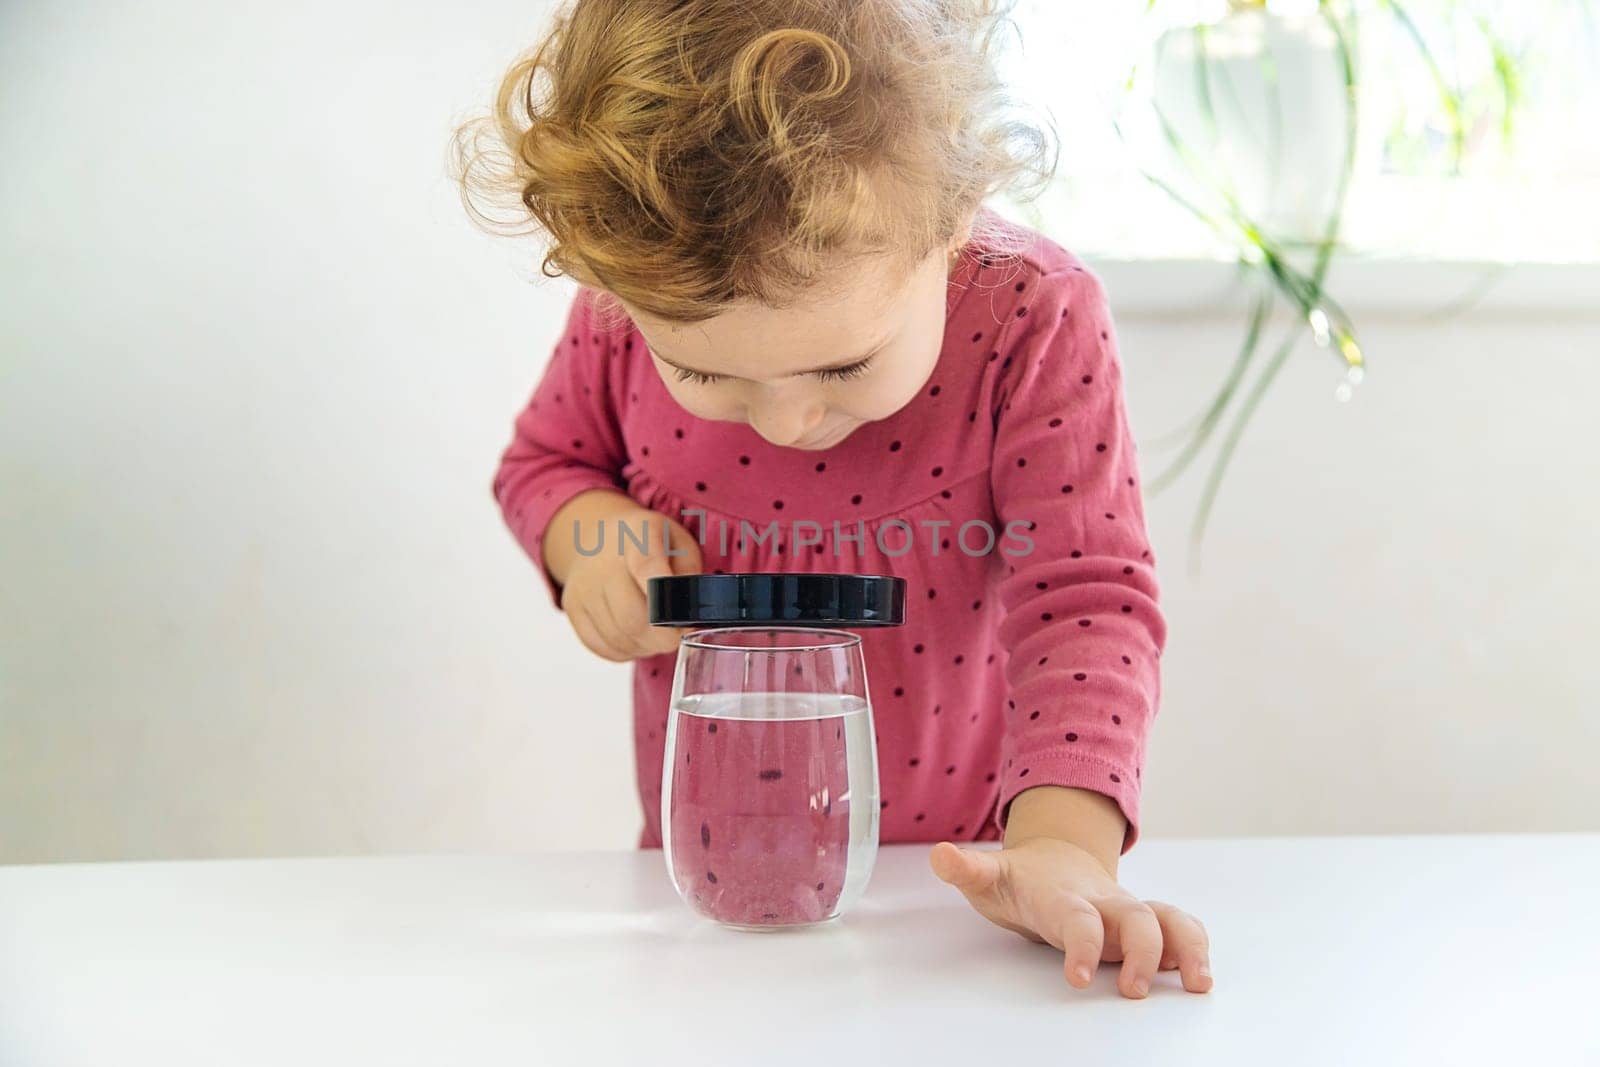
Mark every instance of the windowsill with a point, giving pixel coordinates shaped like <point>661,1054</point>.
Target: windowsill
<point>1389,288</point>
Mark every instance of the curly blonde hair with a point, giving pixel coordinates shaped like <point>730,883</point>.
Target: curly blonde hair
<point>686,155</point>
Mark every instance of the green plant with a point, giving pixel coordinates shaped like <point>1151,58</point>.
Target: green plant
<point>1294,275</point>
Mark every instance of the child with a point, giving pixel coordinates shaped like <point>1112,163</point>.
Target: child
<point>795,307</point>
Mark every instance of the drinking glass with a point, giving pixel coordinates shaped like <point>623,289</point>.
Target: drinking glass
<point>769,796</point>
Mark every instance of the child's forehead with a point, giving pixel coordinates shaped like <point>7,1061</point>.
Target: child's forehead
<point>827,325</point>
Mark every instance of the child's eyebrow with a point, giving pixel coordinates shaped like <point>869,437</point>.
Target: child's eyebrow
<point>836,365</point>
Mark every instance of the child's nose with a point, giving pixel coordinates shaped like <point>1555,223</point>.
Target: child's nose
<point>785,419</point>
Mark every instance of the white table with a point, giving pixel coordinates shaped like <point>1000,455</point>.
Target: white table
<point>1337,950</point>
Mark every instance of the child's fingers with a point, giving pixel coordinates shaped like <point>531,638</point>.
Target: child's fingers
<point>1138,932</point>
<point>630,607</point>
<point>687,558</point>
<point>644,567</point>
<point>630,613</point>
<point>628,617</point>
<point>658,640</point>
<point>972,872</point>
<point>1185,945</point>
<point>652,640</point>
<point>655,562</point>
<point>1082,934</point>
<point>625,619</point>
<point>592,635</point>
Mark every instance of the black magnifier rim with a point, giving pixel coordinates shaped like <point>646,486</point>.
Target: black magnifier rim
<point>839,601</point>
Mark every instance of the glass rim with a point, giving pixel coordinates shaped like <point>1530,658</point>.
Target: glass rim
<point>704,639</point>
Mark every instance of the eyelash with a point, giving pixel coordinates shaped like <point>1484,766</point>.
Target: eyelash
<point>842,374</point>
<point>835,374</point>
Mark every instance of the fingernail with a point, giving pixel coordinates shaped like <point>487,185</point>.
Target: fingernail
<point>1205,970</point>
<point>1082,974</point>
<point>1140,987</point>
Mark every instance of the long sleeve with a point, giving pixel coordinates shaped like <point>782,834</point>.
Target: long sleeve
<point>567,440</point>
<point>1082,628</point>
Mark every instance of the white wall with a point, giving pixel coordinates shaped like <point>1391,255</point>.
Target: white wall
<point>255,370</point>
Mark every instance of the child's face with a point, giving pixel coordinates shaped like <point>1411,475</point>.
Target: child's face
<point>807,375</point>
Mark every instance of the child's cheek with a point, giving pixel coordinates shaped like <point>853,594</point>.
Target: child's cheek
<point>894,386</point>
<point>715,403</point>
<point>878,400</point>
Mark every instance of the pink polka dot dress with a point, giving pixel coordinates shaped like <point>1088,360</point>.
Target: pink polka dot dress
<point>1032,661</point>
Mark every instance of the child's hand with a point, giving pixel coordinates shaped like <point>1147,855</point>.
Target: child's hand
<point>1053,891</point>
<point>604,594</point>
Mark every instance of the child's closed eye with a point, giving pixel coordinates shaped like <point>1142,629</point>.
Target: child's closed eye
<point>839,374</point>
<point>829,374</point>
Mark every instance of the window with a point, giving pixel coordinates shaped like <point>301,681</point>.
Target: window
<point>1437,175</point>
